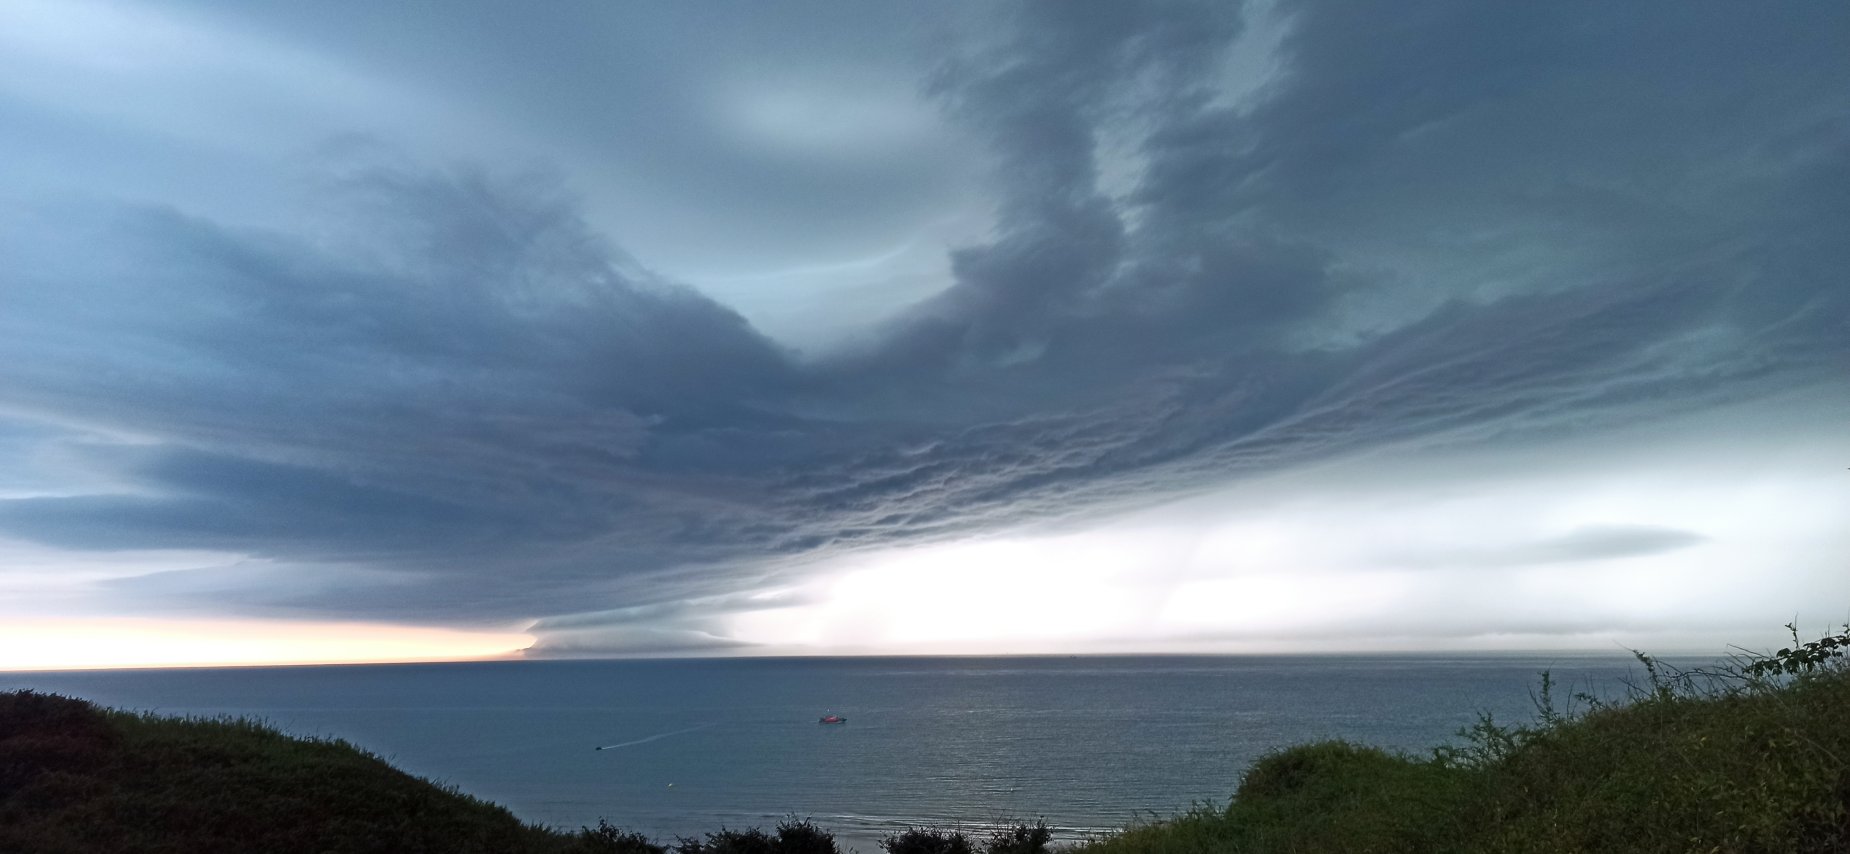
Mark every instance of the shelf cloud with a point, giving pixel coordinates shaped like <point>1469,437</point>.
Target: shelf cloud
<point>440,388</point>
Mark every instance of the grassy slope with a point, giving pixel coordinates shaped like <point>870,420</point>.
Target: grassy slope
<point>1747,770</point>
<point>79,779</point>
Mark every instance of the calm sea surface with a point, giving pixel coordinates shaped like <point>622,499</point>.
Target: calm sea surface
<point>1088,743</point>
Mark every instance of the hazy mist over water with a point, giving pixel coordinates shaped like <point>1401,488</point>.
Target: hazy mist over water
<point>1089,743</point>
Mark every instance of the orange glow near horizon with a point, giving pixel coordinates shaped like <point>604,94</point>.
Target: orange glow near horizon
<point>97,644</point>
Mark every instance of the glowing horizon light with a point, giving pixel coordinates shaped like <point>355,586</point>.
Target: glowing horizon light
<point>106,644</point>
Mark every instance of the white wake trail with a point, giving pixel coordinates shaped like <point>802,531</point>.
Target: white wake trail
<point>653,737</point>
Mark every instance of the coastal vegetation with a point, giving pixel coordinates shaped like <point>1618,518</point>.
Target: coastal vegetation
<point>76,778</point>
<point>1752,756</point>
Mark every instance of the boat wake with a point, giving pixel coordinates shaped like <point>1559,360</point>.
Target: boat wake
<point>659,735</point>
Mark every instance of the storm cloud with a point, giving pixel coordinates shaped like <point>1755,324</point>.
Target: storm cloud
<point>442,393</point>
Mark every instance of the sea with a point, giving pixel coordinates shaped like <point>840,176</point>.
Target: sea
<point>1087,744</point>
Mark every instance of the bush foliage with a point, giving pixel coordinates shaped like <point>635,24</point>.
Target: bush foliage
<point>1015,837</point>
<point>1747,757</point>
<point>792,836</point>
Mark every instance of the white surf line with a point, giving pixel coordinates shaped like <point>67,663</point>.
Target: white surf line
<point>653,737</point>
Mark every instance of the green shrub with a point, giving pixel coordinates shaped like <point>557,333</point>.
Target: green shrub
<point>926,840</point>
<point>727,841</point>
<point>792,837</point>
<point>608,839</point>
<point>1823,654</point>
<point>803,837</point>
<point>1745,757</point>
<point>1020,838</point>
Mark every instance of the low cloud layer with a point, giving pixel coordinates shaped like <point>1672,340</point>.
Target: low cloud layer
<point>446,396</point>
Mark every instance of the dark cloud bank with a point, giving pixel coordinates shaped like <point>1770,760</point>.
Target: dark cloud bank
<point>1440,223</point>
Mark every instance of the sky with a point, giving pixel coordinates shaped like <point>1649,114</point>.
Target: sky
<point>351,331</point>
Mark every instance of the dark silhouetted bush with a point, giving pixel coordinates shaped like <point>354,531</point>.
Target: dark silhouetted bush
<point>1802,658</point>
<point>608,839</point>
<point>793,836</point>
<point>1020,838</point>
<point>44,737</point>
<point>726,841</point>
<point>804,837</point>
<point>928,840</point>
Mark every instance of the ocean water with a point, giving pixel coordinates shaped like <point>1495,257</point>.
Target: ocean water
<point>1088,743</point>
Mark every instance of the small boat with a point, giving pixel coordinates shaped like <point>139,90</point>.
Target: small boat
<point>832,719</point>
